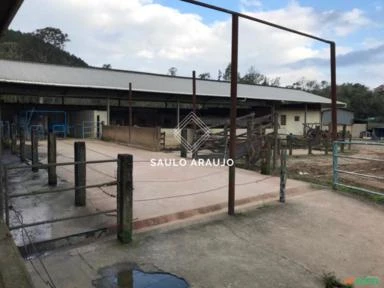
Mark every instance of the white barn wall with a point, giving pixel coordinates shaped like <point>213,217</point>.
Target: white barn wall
<point>297,127</point>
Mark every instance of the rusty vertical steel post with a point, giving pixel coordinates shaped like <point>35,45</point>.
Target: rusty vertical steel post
<point>232,140</point>
<point>194,91</point>
<point>130,111</point>
<point>333,91</point>
<point>108,111</point>
<point>194,153</point>
<point>124,198</point>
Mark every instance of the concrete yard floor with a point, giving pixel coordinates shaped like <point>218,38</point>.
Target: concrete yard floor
<point>161,194</point>
<point>277,245</point>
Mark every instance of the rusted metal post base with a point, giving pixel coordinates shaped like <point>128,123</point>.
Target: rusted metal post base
<point>80,174</point>
<point>34,150</point>
<point>52,176</point>
<point>124,198</point>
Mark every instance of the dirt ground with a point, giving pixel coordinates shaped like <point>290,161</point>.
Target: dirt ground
<point>317,168</point>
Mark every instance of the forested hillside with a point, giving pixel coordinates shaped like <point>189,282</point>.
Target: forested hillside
<point>44,46</point>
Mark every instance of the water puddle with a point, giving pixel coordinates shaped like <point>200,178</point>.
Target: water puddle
<point>129,276</point>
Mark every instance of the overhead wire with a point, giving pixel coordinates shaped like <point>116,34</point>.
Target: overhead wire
<point>200,192</point>
<point>48,282</point>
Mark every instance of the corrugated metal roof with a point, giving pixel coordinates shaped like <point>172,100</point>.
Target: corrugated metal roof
<point>56,75</point>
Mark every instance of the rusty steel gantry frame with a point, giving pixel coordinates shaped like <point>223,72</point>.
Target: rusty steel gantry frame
<point>234,71</point>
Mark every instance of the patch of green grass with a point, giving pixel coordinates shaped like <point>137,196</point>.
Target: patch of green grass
<point>378,199</point>
<point>327,182</point>
<point>331,281</point>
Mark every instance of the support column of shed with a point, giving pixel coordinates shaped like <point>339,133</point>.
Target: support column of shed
<point>108,111</point>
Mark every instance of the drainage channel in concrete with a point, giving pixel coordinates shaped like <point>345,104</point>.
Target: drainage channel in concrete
<point>128,275</point>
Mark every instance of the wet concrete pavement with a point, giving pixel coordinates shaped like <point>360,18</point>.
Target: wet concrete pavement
<point>288,245</point>
<point>161,194</point>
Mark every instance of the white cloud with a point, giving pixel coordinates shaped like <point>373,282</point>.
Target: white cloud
<point>250,4</point>
<point>350,21</point>
<point>143,35</point>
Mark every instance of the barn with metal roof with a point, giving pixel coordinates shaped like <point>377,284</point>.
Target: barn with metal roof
<point>157,100</point>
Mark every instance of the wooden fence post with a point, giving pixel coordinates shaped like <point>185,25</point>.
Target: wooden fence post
<point>52,176</point>
<point>266,158</point>
<point>80,174</point>
<point>124,198</point>
<point>183,149</point>
<point>309,147</point>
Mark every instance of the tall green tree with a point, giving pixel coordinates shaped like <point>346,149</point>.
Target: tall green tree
<point>172,71</point>
<point>205,76</point>
<point>53,36</point>
<point>228,73</point>
<point>253,77</point>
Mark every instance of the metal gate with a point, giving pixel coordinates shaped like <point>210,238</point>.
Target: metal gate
<point>344,177</point>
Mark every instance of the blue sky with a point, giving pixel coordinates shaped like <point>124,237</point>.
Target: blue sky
<point>153,35</point>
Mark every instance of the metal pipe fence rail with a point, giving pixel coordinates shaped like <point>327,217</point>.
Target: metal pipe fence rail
<point>336,166</point>
<point>124,191</point>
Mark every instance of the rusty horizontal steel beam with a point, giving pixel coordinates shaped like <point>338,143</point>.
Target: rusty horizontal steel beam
<point>227,11</point>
